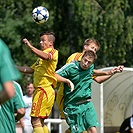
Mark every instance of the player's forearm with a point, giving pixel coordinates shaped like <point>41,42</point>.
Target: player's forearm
<point>113,71</point>
<point>39,53</point>
<point>65,80</point>
<point>25,69</point>
<point>8,92</point>
<point>3,97</point>
<point>109,74</point>
<point>60,78</point>
<point>20,114</point>
<point>101,79</point>
<point>101,73</point>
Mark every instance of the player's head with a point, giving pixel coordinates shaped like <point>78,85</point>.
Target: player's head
<point>47,39</point>
<point>91,44</point>
<point>88,59</point>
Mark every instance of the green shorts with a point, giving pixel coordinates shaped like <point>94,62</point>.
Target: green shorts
<point>81,117</point>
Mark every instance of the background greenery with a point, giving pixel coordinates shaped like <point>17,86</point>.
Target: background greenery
<point>72,21</point>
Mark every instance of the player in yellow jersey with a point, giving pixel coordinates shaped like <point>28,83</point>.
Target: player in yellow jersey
<point>89,44</point>
<point>44,80</point>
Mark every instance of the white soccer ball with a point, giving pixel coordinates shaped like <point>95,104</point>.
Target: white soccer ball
<point>40,14</point>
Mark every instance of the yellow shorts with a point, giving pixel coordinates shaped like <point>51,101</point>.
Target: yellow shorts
<point>42,103</point>
<point>60,100</point>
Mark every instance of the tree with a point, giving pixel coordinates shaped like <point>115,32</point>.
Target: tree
<point>111,22</point>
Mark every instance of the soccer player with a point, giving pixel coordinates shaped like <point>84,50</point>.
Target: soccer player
<point>12,111</point>
<point>78,108</point>
<point>89,44</point>
<point>8,73</point>
<point>8,93</point>
<point>44,80</point>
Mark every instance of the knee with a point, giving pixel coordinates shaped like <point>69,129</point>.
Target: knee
<point>68,131</point>
<point>92,130</point>
<point>36,122</point>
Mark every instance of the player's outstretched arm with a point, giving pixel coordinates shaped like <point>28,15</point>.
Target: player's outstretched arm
<point>65,80</point>
<point>101,73</point>
<point>25,69</point>
<point>111,72</point>
<point>38,52</point>
<point>101,79</point>
<point>119,69</point>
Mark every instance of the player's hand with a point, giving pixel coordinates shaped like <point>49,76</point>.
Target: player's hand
<point>118,69</point>
<point>70,84</point>
<point>27,42</point>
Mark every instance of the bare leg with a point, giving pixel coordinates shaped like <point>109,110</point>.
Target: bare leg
<point>92,130</point>
<point>37,125</point>
<point>68,131</point>
<point>45,128</point>
<point>36,122</point>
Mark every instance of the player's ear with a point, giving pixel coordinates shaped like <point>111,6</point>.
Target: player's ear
<point>51,43</point>
<point>85,47</point>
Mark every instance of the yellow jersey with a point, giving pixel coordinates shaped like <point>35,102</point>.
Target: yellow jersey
<point>44,69</point>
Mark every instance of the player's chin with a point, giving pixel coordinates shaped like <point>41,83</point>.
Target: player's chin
<point>84,68</point>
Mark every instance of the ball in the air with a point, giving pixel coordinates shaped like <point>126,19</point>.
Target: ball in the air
<point>40,14</point>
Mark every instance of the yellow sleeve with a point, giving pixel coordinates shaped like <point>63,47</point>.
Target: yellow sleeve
<point>73,57</point>
<point>70,58</point>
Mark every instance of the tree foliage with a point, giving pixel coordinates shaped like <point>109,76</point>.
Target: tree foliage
<point>110,22</point>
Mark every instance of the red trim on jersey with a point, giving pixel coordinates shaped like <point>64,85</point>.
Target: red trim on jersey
<point>39,103</point>
<point>51,53</point>
<point>77,56</point>
<point>44,117</point>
